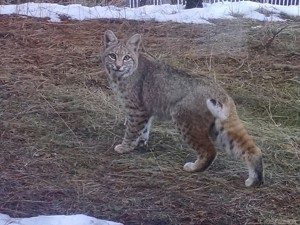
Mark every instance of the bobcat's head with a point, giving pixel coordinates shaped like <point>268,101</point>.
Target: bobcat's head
<point>120,59</point>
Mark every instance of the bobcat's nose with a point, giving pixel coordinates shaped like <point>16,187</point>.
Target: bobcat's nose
<point>118,67</point>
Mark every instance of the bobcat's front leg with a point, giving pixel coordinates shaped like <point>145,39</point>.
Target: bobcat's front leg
<point>136,134</point>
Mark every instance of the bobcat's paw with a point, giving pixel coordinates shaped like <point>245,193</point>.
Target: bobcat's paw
<point>142,143</point>
<point>189,167</point>
<point>253,182</point>
<point>256,175</point>
<point>123,149</point>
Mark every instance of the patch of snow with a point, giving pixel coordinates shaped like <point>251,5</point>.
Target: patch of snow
<point>160,13</point>
<point>55,220</point>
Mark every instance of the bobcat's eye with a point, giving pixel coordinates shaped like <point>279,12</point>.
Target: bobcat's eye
<point>112,56</point>
<point>126,58</point>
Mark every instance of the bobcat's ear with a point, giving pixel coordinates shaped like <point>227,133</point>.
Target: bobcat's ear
<point>134,42</point>
<point>109,38</point>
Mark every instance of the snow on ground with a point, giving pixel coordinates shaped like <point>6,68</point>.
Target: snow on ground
<point>55,220</point>
<point>161,13</point>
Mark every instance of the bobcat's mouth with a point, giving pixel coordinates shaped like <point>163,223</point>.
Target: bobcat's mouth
<point>118,69</point>
<point>118,73</point>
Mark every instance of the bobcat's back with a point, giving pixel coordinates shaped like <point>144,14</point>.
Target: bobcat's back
<point>139,78</point>
<point>164,88</point>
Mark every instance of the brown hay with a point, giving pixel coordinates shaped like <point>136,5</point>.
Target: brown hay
<point>59,123</point>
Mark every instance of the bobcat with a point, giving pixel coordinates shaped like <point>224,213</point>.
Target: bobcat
<point>202,111</point>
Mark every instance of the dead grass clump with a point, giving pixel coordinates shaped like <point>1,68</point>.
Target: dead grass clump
<point>59,123</point>
<point>289,17</point>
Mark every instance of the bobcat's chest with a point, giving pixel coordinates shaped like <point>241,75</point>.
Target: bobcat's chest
<point>126,93</point>
<point>120,92</point>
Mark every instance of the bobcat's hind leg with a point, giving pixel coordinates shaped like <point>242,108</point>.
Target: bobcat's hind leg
<point>256,170</point>
<point>229,133</point>
<point>206,154</point>
<point>136,134</point>
<point>192,131</point>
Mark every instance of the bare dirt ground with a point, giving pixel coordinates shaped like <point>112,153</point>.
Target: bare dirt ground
<point>59,123</point>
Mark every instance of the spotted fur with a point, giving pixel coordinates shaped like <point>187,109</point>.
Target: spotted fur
<point>201,110</point>
<point>229,134</point>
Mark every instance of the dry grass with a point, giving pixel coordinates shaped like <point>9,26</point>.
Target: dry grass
<point>59,122</point>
